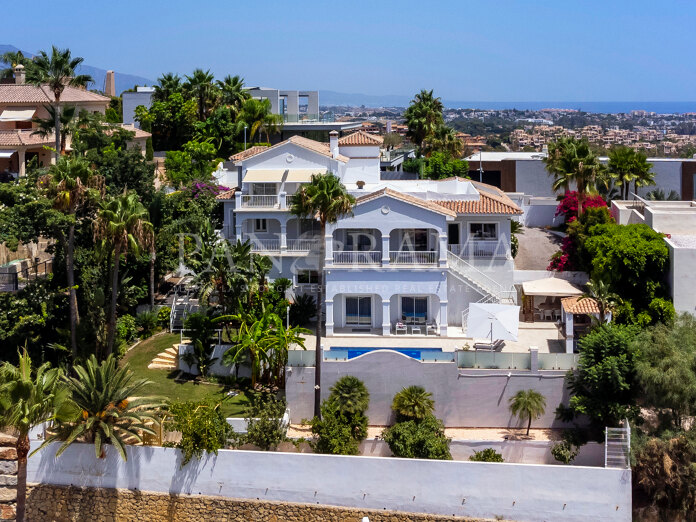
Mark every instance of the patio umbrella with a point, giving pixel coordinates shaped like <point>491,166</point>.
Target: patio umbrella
<point>497,321</point>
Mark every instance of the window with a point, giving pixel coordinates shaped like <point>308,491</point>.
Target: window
<point>453,234</point>
<point>309,227</point>
<point>260,225</point>
<point>359,241</point>
<point>483,231</point>
<point>307,277</point>
<point>415,240</point>
<point>414,310</point>
<point>263,189</point>
<point>359,311</point>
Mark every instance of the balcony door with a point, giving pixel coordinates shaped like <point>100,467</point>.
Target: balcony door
<point>358,311</point>
<point>414,310</point>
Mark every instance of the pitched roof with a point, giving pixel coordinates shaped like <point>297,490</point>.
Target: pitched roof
<point>251,151</point>
<point>578,305</point>
<point>227,195</point>
<point>25,93</point>
<point>21,138</point>
<point>360,138</point>
<point>429,205</point>
<point>314,146</point>
<point>492,200</point>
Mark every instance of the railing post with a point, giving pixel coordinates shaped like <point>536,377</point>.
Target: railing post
<point>283,201</point>
<point>534,359</point>
<point>443,249</point>
<point>283,234</point>
<point>238,199</point>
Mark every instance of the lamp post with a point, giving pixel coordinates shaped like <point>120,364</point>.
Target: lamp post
<point>245,128</point>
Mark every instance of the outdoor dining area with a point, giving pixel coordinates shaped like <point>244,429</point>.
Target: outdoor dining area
<point>541,298</point>
<point>415,326</point>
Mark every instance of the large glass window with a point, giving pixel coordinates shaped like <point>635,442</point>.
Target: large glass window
<point>264,189</point>
<point>453,234</point>
<point>483,231</point>
<point>415,240</point>
<point>414,310</point>
<point>360,241</point>
<point>307,277</point>
<point>359,311</point>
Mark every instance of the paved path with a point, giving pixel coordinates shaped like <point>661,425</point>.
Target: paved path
<point>537,245</point>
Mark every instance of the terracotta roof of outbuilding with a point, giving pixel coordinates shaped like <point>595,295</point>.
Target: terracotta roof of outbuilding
<point>430,205</point>
<point>25,93</point>
<point>360,138</point>
<point>580,305</point>
<point>314,146</point>
<point>227,195</point>
<point>22,138</point>
<point>492,200</point>
<point>251,151</point>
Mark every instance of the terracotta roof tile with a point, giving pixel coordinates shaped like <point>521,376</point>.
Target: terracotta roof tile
<point>580,305</point>
<point>492,200</point>
<point>430,205</point>
<point>360,138</point>
<point>24,93</point>
<point>19,138</point>
<point>227,195</point>
<point>251,151</point>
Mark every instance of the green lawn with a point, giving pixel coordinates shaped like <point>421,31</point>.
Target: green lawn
<point>164,385</point>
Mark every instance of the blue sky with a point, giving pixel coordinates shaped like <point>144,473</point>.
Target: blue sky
<point>485,50</point>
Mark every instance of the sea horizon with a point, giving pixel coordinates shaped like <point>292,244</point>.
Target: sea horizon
<point>606,107</point>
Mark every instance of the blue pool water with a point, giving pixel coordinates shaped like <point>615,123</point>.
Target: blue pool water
<point>415,353</point>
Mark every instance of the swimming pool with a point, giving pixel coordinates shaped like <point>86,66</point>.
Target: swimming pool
<point>350,352</point>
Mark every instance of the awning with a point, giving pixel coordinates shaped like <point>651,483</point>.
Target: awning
<point>302,175</point>
<point>551,286</point>
<point>17,114</point>
<point>497,321</point>
<point>264,176</point>
<point>7,153</point>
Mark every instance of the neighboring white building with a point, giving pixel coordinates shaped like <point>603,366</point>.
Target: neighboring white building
<point>677,220</point>
<point>130,100</point>
<point>415,252</point>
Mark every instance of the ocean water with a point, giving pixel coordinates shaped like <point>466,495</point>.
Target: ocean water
<point>587,106</point>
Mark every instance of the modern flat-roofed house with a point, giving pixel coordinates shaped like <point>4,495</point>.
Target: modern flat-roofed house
<point>413,254</point>
<point>21,102</point>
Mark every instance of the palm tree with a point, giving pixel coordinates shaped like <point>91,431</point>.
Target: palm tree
<point>167,84</point>
<point>279,342</point>
<point>423,117</point>
<point>444,139</point>
<point>200,86</point>
<point>606,300</point>
<point>629,165</point>
<point>326,199</point>
<point>528,404</point>
<point>571,161</point>
<point>122,225</point>
<point>251,340</point>
<point>28,397</point>
<point>71,184</point>
<point>413,403</point>
<point>45,127</point>
<point>12,59</point>
<point>350,395</point>
<point>57,72</point>
<point>660,195</point>
<point>107,407</point>
<point>255,115</point>
<point>232,92</point>
<point>271,124</point>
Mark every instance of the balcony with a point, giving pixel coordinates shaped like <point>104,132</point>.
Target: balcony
<point>303,245</point>
<point>488,249</point>
<point>410,257</point>
<point>260,201</point>
<point>366,257</point>
<point>264,245</point>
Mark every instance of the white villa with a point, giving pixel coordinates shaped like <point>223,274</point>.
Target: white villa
<point>410,259</point>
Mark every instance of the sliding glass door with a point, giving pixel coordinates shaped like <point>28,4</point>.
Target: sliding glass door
<point>414,310</point>
<point>358,311</point>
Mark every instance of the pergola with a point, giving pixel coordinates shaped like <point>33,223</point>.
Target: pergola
<point>584,308</point>
<point>553,287</point>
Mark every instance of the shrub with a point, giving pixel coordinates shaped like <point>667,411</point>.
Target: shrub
<point>147,322</point>
<point>203,428</point>
<point>413,403</point>
<point>126,329</point>
<point>163,315</point>
<point>424,439</point>
<point>564,452</point>
<point>265,426</point>
<point>487,455</point>
<point>302,310</point>
<point>568,206</point>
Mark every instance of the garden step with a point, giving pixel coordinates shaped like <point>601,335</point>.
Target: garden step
<point>166,355</point>
<point>164,360</point>
<point>173,350</point>
<point>160,366</point>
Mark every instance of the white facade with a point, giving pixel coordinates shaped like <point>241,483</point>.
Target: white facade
<point>406,255</point>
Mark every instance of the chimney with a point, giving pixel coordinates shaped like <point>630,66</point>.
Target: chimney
<point>20,74</point>
<point>333,143</point>
<point>110,84</point>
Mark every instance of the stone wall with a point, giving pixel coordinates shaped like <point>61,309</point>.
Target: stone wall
<point>8,477</point>
<point>59,503</point>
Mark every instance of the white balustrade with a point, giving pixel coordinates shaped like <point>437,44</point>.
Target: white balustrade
<point>409,257</point>
<point>367,257</point>
<point>260,201</point>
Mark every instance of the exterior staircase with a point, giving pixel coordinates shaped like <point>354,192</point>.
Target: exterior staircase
<point>166,360</point>
<point>182,306</point>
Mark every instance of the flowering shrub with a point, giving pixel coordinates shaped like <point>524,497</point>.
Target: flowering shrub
<point>568,206</point>
<point>564,259</point>
<point>203,188</point>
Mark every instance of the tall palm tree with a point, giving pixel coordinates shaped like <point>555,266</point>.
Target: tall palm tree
<point>423,117</point>
<point>325,199</point>
<point>444,139</point>
<point>28,397</point>
<point>271,124</point>
<point>571,161</point>
<point>167,84</point>
<point>12,59</point>
<point>255,114</point>
<point>46,126</point>
<point>527,404</point>
<point>606,300</point>
<point>108,410</point>
<point>200,86</point>
<point>629,165</point>
<point>232,92</point>
<point>413,403</point>
<point>57,72</point>
<point>122,225</point>
<point>71,184</point>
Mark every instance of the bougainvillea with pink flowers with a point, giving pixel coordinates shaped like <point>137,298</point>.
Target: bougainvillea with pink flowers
<point>203,188</point>
<point>568,206</point>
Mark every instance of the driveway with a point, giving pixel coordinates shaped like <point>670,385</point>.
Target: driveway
<point>537,245</point>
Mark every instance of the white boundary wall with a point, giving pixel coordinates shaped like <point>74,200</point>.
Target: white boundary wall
<point>474,489</point>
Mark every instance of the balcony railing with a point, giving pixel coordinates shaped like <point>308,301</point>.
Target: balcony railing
<point>368,257</point>
<point>260,201</point>
<point>304,117</point>
<point>480,249</point>
<point>264,245</point>
<point>303,245</point>
<point>406,257</point>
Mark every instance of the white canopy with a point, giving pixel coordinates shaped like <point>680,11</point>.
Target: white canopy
<point>497,321</point>
<point>17,114</point>
<point>7,153</point>
<point>264,176</point>
<point>551,286</point>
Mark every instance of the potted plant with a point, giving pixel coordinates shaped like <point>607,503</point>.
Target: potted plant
<point>360,184</point>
